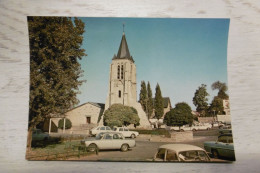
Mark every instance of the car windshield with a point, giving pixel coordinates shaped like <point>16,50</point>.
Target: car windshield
<point>193,156</point>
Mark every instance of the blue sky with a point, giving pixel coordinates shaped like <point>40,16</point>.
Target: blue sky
<point>179,54</point>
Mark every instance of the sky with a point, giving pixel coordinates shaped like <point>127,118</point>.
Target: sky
<point>179,54</point>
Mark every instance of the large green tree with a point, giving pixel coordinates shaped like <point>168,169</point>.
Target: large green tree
<point>216,106</point>
<point>222,89</point>
<point>179,116</point>
<point>200,99</point>
<point>143,96</point>
<point>158,103</point>
<point>55,51</point>
<point>119,115</point>
<point>150,106</point>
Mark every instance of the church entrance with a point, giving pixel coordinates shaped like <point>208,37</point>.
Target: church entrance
<point>88,120</point>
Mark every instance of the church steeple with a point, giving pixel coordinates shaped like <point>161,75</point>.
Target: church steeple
<point>123,51</point>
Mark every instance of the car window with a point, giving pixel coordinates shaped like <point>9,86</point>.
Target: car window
<point>102,128</point>
<point>223,139</point>
<point>160,154</point>
<point>117,136</point>
<point>108,128</point>
<point>120,129</point>
<point>126,129</point>
<point>188,155</point>
<point>230,139</point>
<point>108,136</point>
<point>171,156</point>
<point>203,156</point>
<point>115,129</point>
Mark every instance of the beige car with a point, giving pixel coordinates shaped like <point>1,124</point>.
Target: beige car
<point>181,153</point>
<point>108,141</point>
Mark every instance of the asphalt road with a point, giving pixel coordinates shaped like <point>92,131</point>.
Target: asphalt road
<point>145,150</point>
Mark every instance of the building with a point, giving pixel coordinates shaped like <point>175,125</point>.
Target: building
<point>122,82</point>
<point>82,117</point>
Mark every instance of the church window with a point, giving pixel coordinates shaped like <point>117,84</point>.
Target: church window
<point>119,94</point>
<point>122,72</point>
<point>118,72</point>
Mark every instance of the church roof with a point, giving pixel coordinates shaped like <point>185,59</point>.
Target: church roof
<point>123,51</point>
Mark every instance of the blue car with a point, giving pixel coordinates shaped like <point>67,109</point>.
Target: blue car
<point>223,147</point>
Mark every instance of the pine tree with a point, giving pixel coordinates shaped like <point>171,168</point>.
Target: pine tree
<point>150,106</point>
<point>158,103</point>
<point>143,96</point>
<point>55,49</point>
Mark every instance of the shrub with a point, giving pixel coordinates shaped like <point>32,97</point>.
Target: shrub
<point>68,123</point>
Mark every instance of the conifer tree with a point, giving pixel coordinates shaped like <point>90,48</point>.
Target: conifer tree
<point>150,106</point>
<point>143,96</point>
<point>158,102</point>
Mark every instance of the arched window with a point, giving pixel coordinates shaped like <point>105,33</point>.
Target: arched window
<point>118,72</point>
<point>119,94</point>
<point>122,71</point>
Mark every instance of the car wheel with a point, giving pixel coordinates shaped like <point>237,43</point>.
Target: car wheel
<point>133,136</point>
<point>193,130</point>
<point>92,147</point>
<point>124,147</point>
<point>215,154</point>
<point>207,128</point>
<point>181,130</point>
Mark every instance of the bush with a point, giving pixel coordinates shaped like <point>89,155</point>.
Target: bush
<point>154,132</point>
<point>68,123</point>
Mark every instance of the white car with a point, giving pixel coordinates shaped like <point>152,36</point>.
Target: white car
<point>109,140</point>
<point>203,126</point>
<point>99,129</point>
<point>126,132</point>
<point>184,128</point>
<point>181,153</point>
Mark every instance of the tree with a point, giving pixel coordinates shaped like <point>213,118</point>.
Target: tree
<point>222,88</point>
<point>179,116</point>
<point>216,106</point>
<point>158,103</point>
<point>68,123</point>
<point>200,99</point>
<point>119,115</point>
<point>143,96</point>
<point>55,49</point>
<point>149,101</point>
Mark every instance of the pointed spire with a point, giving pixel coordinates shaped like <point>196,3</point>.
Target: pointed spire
<point>123,51</point>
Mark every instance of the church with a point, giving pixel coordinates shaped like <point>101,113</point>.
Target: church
<point>122,83</point>
<point>121,90</point>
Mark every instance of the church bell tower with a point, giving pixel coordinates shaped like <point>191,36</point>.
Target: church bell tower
<point>122,82</point>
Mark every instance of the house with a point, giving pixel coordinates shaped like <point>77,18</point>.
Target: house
<point>82,117</point>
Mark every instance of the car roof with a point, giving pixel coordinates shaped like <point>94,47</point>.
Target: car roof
<point>181,147</point>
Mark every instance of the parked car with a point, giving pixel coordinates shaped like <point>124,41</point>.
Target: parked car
<point>181,153</point>
<point>99,129</point>
<point>126,132</point>
<point>184,128</point>
<point>223,147</point>
<point>38,135</point>
<point>225,130</point>
<point>109,140</point>
<point>203,126</point>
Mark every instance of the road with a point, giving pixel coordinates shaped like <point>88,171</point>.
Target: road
<point>145,150</point>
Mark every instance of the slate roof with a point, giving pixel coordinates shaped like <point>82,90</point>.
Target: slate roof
<point>123,51</point>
